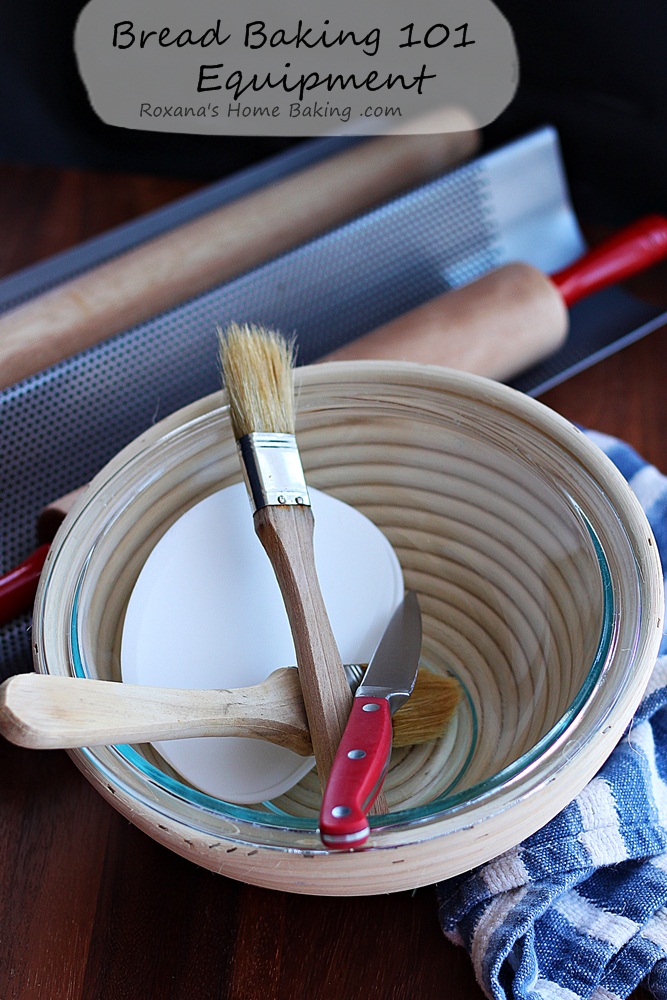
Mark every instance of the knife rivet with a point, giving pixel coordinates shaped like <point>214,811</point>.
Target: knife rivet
<point>356,754</point>
<point>338,812</point>
<point>371,708</point>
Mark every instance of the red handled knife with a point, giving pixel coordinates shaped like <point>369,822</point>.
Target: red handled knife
<point>362,757</point>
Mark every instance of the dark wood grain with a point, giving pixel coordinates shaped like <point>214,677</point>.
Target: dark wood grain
<point>92,909</point>
<point>623,395</point>
<point>44,211</point>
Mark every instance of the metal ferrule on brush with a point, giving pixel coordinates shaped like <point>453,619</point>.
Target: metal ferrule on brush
<point>272,470</point>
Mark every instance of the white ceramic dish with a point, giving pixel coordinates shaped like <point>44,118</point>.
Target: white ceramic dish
<point>206,612</point>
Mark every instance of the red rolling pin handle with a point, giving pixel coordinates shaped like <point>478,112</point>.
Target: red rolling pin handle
<point>19,585</point>
<point>638,246</point>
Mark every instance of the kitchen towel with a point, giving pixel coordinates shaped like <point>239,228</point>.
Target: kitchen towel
<point>579,909</point>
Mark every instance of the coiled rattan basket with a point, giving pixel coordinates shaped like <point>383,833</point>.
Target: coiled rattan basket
<point>540,588</point>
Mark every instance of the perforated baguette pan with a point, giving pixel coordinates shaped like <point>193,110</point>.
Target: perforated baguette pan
<point>60,426</point>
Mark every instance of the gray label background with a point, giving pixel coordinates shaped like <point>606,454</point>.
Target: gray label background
<point>156,87</point>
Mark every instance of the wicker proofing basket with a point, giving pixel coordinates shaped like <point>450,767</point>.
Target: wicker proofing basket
<point>540,587</point>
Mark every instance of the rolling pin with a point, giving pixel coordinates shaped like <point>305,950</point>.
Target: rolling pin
<point>496,326</point>
<point>188,260</point>
<point>512,317</point>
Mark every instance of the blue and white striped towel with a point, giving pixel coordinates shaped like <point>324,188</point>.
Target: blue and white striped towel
<point>579,910</point>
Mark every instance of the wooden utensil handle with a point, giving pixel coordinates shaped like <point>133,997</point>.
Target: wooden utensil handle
<point>224,243</point>
<point>43,711</point>
<point>286,532</point>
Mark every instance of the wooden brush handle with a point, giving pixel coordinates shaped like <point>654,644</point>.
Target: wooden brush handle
<point>286,532</point>
<point>42,711</point>
<point>216,247</point>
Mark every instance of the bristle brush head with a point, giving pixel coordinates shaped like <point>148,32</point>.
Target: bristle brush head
<point>428,711</point>
<point>257,369</point>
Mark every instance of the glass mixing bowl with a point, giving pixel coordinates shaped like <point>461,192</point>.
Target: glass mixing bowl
<point>540,588</point>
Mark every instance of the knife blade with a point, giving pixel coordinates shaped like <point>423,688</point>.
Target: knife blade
<point>362,758</point>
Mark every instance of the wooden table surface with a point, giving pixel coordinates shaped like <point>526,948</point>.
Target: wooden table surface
<point>92,909</point>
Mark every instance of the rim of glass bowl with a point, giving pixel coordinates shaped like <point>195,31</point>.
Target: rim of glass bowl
<point>445,803</point>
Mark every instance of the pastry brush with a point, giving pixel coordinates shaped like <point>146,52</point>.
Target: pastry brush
<point>42,711</point>
<point>257,366</point>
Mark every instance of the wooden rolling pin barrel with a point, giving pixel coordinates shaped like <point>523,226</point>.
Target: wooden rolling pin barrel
<point>512,317</point>
<point>222,244</point>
